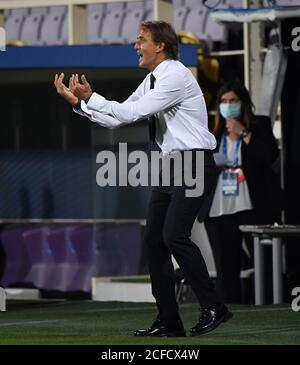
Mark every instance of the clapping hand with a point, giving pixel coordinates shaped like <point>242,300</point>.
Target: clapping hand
<point>81,91</point>
<point>64,91</point>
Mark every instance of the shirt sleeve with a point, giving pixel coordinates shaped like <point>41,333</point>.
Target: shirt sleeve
<point>139,92</point>
<point>82,109</point>
<point>169,90</point>
<point>96,117</point>
<point>105,120</point>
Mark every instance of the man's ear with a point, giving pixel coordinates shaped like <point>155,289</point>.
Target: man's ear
<point>160,47</point>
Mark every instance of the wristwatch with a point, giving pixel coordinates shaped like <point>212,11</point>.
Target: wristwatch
<point>78,105</point>
<point>244,133</point>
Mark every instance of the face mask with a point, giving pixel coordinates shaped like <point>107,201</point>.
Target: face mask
<point>230,110</point>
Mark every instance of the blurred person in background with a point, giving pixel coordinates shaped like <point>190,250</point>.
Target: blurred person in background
<point>247,191</point>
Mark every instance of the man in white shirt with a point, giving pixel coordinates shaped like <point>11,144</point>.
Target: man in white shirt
<point>173,101</point>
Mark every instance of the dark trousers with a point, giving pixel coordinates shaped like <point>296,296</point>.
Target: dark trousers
<point>169,222</point>
<point>226,243</point>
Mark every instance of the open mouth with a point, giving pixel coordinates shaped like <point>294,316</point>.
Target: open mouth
<point>140,55</point>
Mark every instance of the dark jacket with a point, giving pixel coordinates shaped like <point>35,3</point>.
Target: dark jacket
<point>258,158</point>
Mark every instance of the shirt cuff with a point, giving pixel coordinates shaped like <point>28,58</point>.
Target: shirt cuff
<point>85,109</point>
<point>96,102</point>
<point>81,108</point>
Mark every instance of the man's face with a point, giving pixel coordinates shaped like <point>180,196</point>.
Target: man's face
<point>150,54</point>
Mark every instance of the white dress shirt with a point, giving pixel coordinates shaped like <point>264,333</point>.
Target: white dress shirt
<point>176,100</point>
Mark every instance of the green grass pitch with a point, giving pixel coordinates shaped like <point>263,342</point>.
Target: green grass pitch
<point>113,323</point>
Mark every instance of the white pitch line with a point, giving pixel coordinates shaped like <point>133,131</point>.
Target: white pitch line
<point>262,310</point>
<point>257,332</point>
<point>182,306</point>
<point>152,308</point>
<point>106,310</point>
<point>30,322</point>
<point>120,309</point>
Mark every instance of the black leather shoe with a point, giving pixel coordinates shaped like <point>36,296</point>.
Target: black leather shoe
<point>210,319</point>
<point>160,329</point>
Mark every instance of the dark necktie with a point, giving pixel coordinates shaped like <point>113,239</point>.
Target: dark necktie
<point>152,126</point>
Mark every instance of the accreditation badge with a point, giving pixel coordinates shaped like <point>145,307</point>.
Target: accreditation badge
<point>230,184</point>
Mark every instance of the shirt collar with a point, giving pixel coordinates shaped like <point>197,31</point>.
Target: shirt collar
<point>159,69</point>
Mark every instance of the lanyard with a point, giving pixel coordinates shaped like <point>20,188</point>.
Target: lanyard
<point>236,150</point>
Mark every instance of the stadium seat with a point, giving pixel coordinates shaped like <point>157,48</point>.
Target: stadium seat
<point>148,9</point>
<point>95,20</point>
<point>31,29</point>
<point>58,10</point>
<point>115,6</point>
<point>134,5</point>
<point>96,14</point>
<point>13,24</point>
<point>195,21</point>
<point>213,31</point>
<point>50,31</point>
<point>110,255</point>
<point>17,263</point>
<point>178,3</point>
<point>60,23</point>
<point>179,18</point>
<point>192,4</point>
<point>97,7</point>
<point>118,250</point>
<point>64,31</point>
<point>20,11</point>
<point>39,10</point>
<point>200,22</point>
<point>131,24</point>
<point>7,14</point>
<point>131,241</point>
<point>40,256</point>
<point>111,28</point>
<point>83,243</point>
<point>65,258</point>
